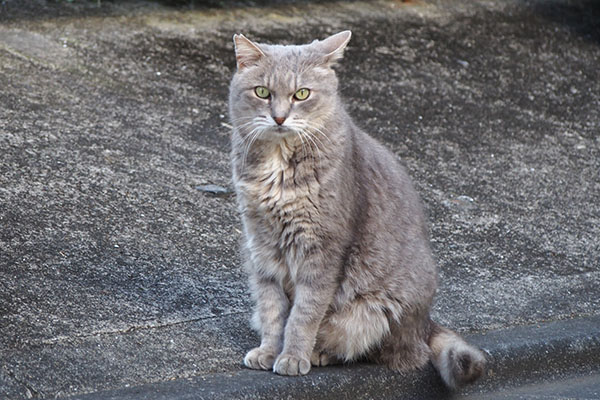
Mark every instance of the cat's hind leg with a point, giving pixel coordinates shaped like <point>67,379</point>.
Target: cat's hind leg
<point>405,347</point>
<point>350,333</point>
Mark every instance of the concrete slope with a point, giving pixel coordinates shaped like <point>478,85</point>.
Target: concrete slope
<point>119,268</point>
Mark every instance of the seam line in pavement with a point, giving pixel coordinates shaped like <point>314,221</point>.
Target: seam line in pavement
<point>134,328</point>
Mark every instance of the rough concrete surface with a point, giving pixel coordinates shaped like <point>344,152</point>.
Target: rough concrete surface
<point>522,359</point>
<point>118,268</point>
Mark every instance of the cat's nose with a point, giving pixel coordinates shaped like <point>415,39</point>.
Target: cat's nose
<point>279,120</point>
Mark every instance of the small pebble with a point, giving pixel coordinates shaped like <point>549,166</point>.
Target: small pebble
<point>465,199</point>
<point>461,202</point>
<point>213,189</point>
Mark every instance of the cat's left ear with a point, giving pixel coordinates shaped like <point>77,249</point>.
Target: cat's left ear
<point>333,47</point>
<point>247,53</point>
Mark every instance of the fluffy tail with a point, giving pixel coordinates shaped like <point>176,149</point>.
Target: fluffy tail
<point>457,361</point>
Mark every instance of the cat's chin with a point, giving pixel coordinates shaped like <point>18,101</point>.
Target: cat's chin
<point>281,132</point>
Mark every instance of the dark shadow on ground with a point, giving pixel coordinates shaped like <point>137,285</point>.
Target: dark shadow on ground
<point>16,10</point>
<point>580,17</point>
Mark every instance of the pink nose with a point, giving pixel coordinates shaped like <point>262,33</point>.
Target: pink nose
<point>279,120</point>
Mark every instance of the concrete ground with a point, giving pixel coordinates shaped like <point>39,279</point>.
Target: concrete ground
<point>119,273</point>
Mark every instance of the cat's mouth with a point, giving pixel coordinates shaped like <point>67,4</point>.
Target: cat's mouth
<point>282,130</point>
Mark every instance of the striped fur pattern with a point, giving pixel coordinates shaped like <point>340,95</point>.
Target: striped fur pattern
<point>334,236</point>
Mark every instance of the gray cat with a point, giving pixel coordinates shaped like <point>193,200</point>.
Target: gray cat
<point>334,236</point>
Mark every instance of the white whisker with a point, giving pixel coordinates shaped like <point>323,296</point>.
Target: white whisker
<point>310,137</point>
<point>301,140</point>
<point>316,138</point>
<point>317,128</point>
<point>248,140</point>
<point>256,132</point>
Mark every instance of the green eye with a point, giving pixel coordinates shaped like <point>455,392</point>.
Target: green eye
<point>302,94</point>
<point>262,92</point>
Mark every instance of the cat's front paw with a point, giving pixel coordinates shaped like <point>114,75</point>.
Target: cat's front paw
<point>287,364</point>
<point>259,358</point>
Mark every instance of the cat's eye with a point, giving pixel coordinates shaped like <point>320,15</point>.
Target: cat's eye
<point>262,92</point>
<point>302,94</point>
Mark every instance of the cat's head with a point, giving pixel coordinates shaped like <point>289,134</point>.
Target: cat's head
<point>279,91</point>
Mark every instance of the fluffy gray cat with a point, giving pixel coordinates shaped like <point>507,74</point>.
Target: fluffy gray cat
<point>334,236</point>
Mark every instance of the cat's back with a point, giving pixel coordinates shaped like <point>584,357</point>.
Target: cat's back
<point>381,172</point>
<point>391,213</point>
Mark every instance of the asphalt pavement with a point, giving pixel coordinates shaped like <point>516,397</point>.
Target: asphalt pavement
<point>119,271</point>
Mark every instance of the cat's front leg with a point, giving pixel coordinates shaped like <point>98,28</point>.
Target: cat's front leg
<point>271,311</point>
<point>315,287</point>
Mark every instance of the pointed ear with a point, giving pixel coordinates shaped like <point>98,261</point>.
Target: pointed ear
<point>333,47</point>
<point>246,52</point>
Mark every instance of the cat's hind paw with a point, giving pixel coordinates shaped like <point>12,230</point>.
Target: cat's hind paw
<point>287,364</point>
<point>259,358</point>
<point>321,359</point>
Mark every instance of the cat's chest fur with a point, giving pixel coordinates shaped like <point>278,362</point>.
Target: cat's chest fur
<point>280,194</point>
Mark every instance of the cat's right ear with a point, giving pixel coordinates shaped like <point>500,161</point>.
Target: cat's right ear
<point>246,52</point>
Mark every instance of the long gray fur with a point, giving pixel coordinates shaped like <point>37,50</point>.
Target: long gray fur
<point>335,241</point>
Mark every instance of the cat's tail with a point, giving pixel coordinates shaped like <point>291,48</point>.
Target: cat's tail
<point>457,361</point>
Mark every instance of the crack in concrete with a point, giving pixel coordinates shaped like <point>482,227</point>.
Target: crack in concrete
<point>134,328</point>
